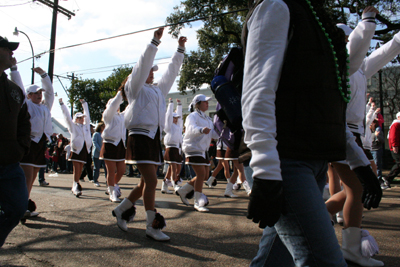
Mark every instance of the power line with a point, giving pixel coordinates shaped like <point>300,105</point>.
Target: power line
<point>16,4</point>
<point>135,32</point>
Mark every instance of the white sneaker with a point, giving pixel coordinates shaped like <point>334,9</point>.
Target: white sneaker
<point>247,187</point>
<point>164,188</point>
<point>96,184</point>
<point>339,217</point>
<point>168,182</point>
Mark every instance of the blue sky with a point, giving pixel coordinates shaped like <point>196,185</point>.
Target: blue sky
<point>94,20</point>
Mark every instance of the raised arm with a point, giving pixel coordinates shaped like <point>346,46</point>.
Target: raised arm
<point>141,70</point>
<point>67,115</point>
<point>47,86</point>
<point>169,116</point>
<point>112,107</point>
<point>15,76</point>
<point>179,112</point>
<point>168,78</point>
<point>360,39</point>
<point>86,120</point>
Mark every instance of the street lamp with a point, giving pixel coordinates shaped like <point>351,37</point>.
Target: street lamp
<point>16,32</point>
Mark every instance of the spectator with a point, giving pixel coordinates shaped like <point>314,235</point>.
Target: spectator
<point>97,142</point>
<point>394,146</point>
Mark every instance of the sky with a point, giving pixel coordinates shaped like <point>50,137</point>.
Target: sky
<point>93,20</point>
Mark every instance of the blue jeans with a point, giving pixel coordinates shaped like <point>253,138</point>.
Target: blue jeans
<point>98,163</point>
<point>13,198</point>
<point>378,158</point>
<point>304,236</point>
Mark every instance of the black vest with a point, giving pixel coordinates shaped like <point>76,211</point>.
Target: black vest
<point>310,112</point>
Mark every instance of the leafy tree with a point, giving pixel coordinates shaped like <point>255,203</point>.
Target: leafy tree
<point>97,93</point>
<point>221,32</point>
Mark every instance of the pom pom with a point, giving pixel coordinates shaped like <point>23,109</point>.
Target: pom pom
<point>31,205</point>
<point>369,247</point>
<point>190,194</point>
<point>158,222</point>
<point>129,214</point>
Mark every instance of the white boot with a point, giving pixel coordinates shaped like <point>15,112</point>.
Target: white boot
<point>114,194</point>
<point>76,189</point>
<point>175,186</point>
<point>154,223</point>
<point>125,212</point>
<point>164,188</point>
<point>118,190</point>
<point>183,191</point>
<point>339,217</point>
<point>228,190</point>
<point>352,251</point>
<point>200,202</point>
<point>210,181</point>
<point>247,187</point>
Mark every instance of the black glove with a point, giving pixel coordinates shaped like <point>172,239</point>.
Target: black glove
<point>266,202</point>
<point>372,193</point>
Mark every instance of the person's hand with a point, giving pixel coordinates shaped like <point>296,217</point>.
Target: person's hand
<point>39,70</point>
<point>159,33</point>
<point>206,130</point>
<point>266,202</point>
<point>396,149</point>
<point>370,9</point>
<point>82,101</point>
<point>13,61</point>
<point>372,193</point>
<point>182,40</point>
<point>378,110</point>
<point>178,101</point>
<point>60,100</point>
<point>370,99</point>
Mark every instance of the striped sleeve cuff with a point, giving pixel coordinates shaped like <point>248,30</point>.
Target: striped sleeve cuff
<point>369,17</point>
<point>44,75</point>
<point>14,68</point>
<point>181,49</point>
<point>155,41</point>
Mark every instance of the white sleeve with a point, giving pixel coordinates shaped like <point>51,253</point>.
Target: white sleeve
<point>192,129</point>
<point>267,40</point>
<point>86,112</point>
<point>179,112</point>
<point>16,78</point>
<point>67,117</point>
<point>355,156</point>
<point>370,116</point>
<point>140,73</point>
<point>48,93</point>
<point>358,45</point>
<point>169,117</point>
<point>168,78</point>
<point>112,109</point>
<point>382,56</point>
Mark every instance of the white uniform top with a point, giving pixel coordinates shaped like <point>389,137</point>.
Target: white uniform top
<point>173,137</point>
<point>40,113</point>
<point>115,130</point>
<point>80,133</point>
<point>146,110</point>
<point>195,142</point>
<point>355,113</point>
<point>266,44</point>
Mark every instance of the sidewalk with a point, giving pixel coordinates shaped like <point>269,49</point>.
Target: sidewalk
<point>81,231</point>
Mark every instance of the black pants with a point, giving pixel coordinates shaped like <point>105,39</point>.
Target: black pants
<point>396,167</point>
<point>87,168</point>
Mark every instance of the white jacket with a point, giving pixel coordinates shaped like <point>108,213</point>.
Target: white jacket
<point>40,113</point>
<point>195,143</point>
<point>370,116</point>
<point>263,62</point>
<point>146,110</point>
<point>80,133</point>
<point>115,128</point>
<point>356,111</point>
<point>173,137</point>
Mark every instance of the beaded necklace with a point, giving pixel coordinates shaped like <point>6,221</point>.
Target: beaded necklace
<point>345,95</point>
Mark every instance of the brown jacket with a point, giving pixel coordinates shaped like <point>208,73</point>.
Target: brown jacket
<point>14,120</point>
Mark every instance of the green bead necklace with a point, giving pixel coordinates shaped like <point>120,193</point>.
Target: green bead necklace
<point>345,96</point>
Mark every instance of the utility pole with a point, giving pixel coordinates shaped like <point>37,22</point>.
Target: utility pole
<point>56,8</point>
<point>72,77</point>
